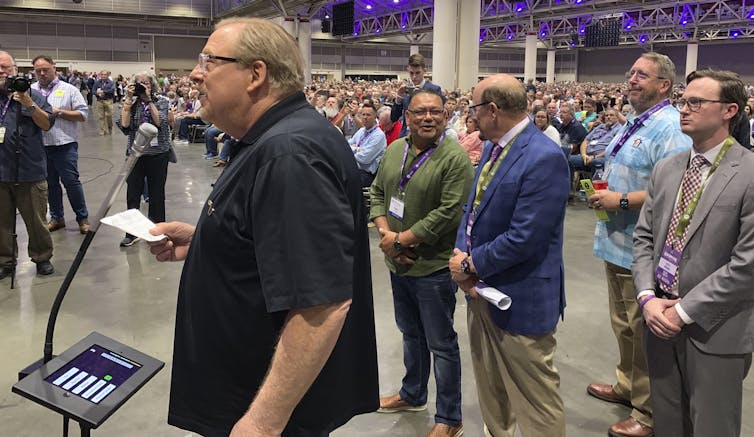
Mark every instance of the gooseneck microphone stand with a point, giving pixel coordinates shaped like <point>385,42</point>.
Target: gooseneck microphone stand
<point>148,132</point>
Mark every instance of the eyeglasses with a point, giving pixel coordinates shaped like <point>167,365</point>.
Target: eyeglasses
<point>204,57</point>
<point>472,108</point>
<point>695,103</point>
<point>641,75</point>
<point>434,112</point>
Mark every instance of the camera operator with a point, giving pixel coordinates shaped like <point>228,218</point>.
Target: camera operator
<point>24,114</point>
<point>142,105</point>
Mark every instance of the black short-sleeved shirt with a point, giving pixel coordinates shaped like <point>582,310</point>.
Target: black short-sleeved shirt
<point>284,228</point>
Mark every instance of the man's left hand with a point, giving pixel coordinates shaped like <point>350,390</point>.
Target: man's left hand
<point>605,199</point>
<point>23,98</point>
<point>245,427</point>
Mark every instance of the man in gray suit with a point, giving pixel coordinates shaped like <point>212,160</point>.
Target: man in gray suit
<point>694,266</point>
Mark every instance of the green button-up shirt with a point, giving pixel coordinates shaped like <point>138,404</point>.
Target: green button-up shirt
<point>433,201</point>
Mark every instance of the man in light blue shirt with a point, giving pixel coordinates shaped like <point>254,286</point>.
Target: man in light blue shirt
<point>651,133</point>
<point>61,144</point>
<point>368,144</point>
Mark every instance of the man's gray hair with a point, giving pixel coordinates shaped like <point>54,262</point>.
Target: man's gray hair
<point>263,40</point>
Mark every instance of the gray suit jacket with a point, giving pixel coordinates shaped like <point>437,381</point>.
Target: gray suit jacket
<point>716,273</point>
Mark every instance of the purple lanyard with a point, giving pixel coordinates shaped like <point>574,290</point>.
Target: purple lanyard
<point>638,123</point>
<point>369,134</point>
<point>422,159</point>
<point>5,111</point>
<point>146,113</point>
<point>46,92</point>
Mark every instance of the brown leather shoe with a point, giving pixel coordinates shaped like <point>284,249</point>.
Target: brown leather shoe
<point>445,430</point>
<point>394,404</point>
<point>84,226</point>
<point>606,393</point>
<point>630,427</point>
<point>54,225</point>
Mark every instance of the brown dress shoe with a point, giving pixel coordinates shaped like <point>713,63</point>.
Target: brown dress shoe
<point>606,393</point>
<point>54,225</point>
<point>394,404</point>
<point>445,430</point>
<point>630,427</point>
<point>84,226</point>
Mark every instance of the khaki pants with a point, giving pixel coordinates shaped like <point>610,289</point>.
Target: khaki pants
<point>31,202</point>
<point>628,326</point>
<point>105,116</point>
<point>516,380</point>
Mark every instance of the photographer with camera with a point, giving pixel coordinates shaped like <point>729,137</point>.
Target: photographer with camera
<point>142,104</point>
<point>24,114</point>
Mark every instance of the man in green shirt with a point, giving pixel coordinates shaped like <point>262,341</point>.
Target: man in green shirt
<point>416,201</point>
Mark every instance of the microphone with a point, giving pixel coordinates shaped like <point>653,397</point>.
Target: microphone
<point>144,136</point>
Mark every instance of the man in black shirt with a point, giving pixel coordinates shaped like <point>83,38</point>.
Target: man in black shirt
<point>279,338</point>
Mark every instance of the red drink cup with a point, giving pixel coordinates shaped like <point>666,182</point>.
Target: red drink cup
<point>599,185</point>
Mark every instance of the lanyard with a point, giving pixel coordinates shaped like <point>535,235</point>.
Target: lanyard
<point>688,213</point>
<point>488,172</point>
<point>638,123</point>
<point>46,92</point>
<point>146,113</point>
<point>422,159</point>
<point>367,134</point>
<point>5,111</point>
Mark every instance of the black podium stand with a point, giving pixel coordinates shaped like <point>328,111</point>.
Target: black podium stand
<point>89,381</point>
<point>92,379</point>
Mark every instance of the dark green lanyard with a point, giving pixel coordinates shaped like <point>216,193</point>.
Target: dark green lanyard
<point>685,219</point>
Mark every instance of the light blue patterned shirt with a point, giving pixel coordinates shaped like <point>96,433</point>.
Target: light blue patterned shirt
<point>368,146</point>
<point>629,170</point>
<point>63,95</point>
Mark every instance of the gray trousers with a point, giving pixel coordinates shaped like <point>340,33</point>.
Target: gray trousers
<point>694,393</point>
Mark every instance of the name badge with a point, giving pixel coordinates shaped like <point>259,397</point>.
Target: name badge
<point>396,208</point>
<point>668,265</point>
<point>2,134</point>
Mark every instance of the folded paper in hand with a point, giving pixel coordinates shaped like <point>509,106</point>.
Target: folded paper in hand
<point>132,221</point>
<point>494,296</point>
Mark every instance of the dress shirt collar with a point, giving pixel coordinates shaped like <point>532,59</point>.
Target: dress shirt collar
<point>710,155</point>
<point>517,129</point>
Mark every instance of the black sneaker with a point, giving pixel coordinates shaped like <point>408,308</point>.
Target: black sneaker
<point>45,268</point>
<point>129,240</point>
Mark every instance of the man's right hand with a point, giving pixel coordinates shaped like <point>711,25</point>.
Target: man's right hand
<point>175,247</point>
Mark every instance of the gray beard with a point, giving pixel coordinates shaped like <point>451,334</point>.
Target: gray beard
<point>330,112</point>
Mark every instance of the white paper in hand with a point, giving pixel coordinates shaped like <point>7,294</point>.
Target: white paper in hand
<point>133,222</point>
<point>494,296</point>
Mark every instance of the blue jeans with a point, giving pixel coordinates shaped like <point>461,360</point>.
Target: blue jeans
<point>209,140</point>
<point>424,308</point>
<point>62,166</point>
<point>576,162</point>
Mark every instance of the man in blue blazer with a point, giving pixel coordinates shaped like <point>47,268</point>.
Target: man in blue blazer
<point>417,68</point>
<point>511,239</point>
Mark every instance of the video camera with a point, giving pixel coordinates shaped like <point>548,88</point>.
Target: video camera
<point>17,84</point>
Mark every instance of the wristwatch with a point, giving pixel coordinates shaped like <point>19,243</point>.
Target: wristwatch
<point>624,201</point>
<point>466,266</point>
<point>396,243</point>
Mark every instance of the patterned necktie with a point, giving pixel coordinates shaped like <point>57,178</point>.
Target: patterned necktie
<point>692,180</point>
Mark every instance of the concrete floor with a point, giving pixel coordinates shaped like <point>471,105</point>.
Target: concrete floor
<point>125,294</point>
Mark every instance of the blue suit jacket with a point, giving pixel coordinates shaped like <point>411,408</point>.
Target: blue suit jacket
<point>396,112</point>
<point>517,238</point>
